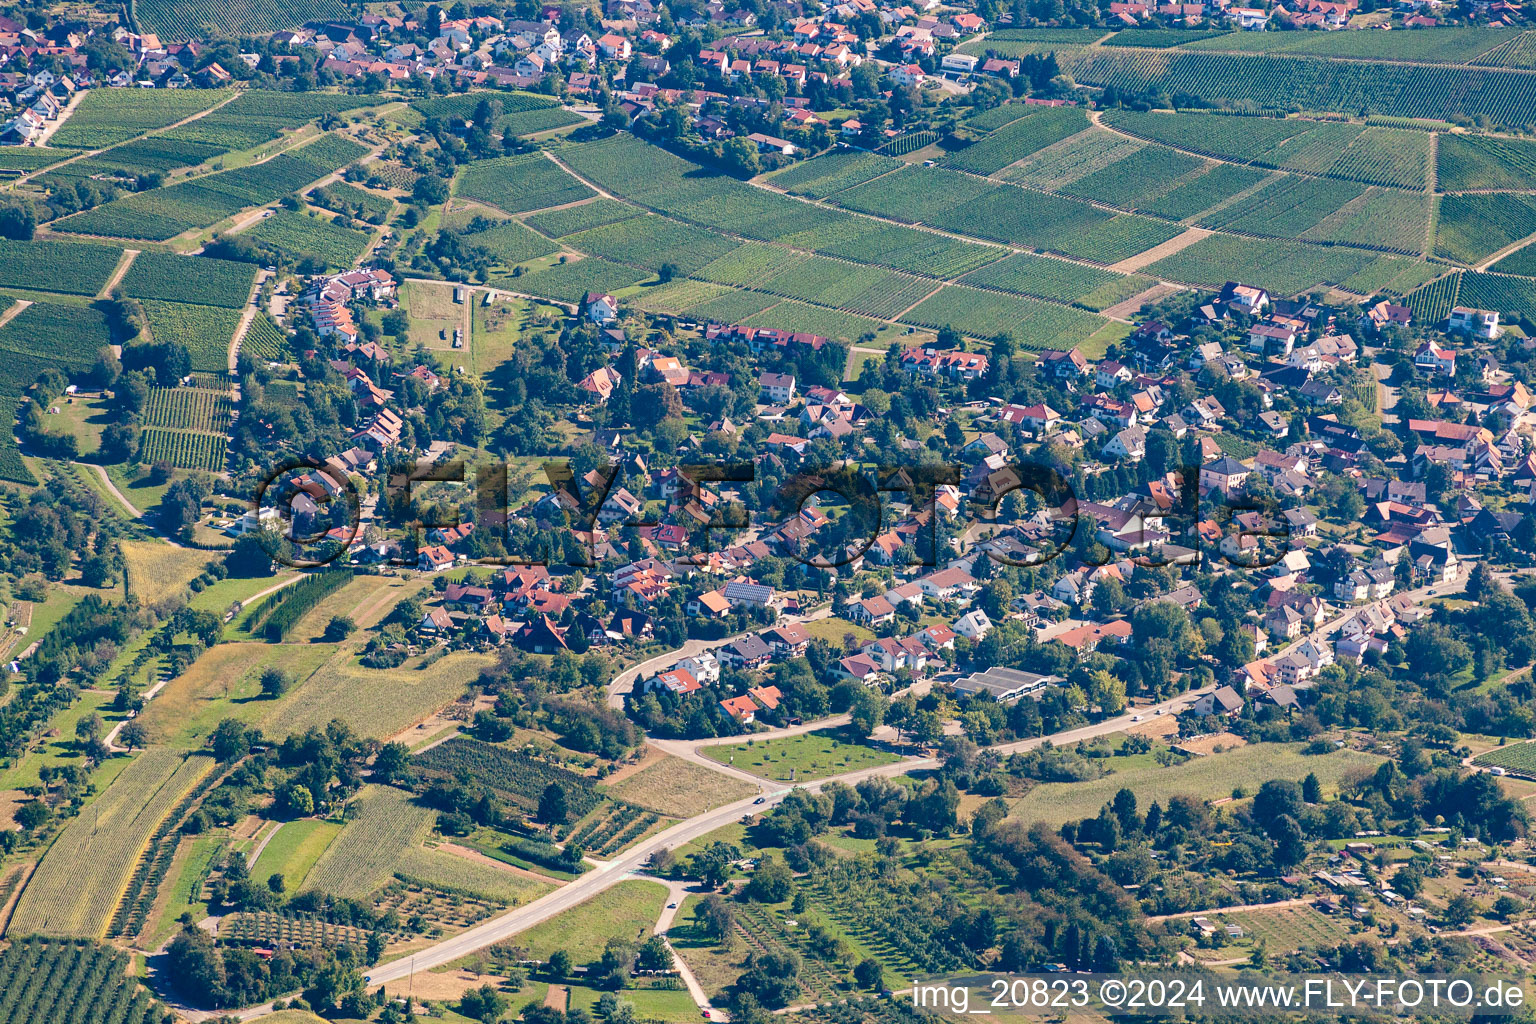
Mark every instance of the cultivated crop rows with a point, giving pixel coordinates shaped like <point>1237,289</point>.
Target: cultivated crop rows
<point>510,243</point>
<point>296,931</point>
<point>1282,266</point>
<point>1030,322</point>
<point>1484,162</point>
<point>202,19</point>
<point>1019,139</point>
<point>364,856</point>
<point>832,172</point>
<point>1472,227</point>
<point>106,117</point>
<point>651,242</point>
<point>1433,302</point>
<point>205,331</point>
<point>265,340</point>
<point>559,223</point>
<point>70,981</point>
<point>520,183</point>
<point>353,201</point>
<point>299,236</point>
<point>184,449</point>
<point>515,775</point>
<point>75,268</point>
<point>188,409</point>
<point>206,282</point>
<point>78,883</point>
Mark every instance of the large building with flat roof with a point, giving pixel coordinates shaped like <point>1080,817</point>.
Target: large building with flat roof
<point>1006,685</point>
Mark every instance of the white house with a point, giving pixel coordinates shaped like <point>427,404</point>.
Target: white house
<point>1480,323</point>
<point>973,625</point>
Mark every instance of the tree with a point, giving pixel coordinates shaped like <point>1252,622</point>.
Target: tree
<point>339,628</point>
<point>559,964</point>
<point>18,219</point>
<point>484,1003</point>
<point>717,917</point>
<point>1460,910</point>
<point>31,815</point>
<point>866,712</point>
<point>772,881</point>
<point>868,973</point>
<point>393,763</point>
<point>1311,789</point>
<point>554,805</point>
<point>1290,844</point>
<point>275,682</point>
<point>230,741</point>
<point>132,735</point>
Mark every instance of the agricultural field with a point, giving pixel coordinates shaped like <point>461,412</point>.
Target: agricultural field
<point>1209,778</point>
<point>452,873</point>
<point>1286,206</point>
<point>300,236</point>
<point>156,570</point>
<point>203,19</point>
<point>1519,52</point>
<point>209,282</point>
<point>1285,268</point>
<point>810,755</point>
<point>206,331</point>
<point>374,702</point>
<point>1381,218</point>
<point>383,824</point>
<point>106,117</point>
<point>1432,302</point>
<point>651,242</point>
<point>201,202</point>
<point>510,243</point>
<point>1308,83</point>
<point>1513,296</point>
<point>680,788</point>
<point>1017,140</point>
<point>77,885</point>
<point>1158,38</point>
<point>1060,280</point>
<point>354,201</point>
<point>1442,46</point>
<point>265,340</point>
<point>571,219</point>
<point>517,184</point>
<point>71,981</point>
<point>1470,228</point>
<point>44,336</point>
<point>292,852</point>
<point>184,449</point>
<point>627,911</point>
<point>258,116</point>
<point>189,409</point>
<point>538,120</point>
<point>514,775</point>
<point>24,159</point>
<point>1031,323</point>
<point>862,289</point>
<point>1521,261</point>
<point>996,117</point>
<point>570,281</point>
<point>1468,162</point>
<point>74,268</point>
<point>791,315</point>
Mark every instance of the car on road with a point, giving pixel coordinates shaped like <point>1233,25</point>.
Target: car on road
<point>1135,718</point>
<point>759,800</point>
<point>706,1015</point>
<point>671,906</point>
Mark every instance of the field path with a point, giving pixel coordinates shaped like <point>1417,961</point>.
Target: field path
<point>1495,257</point>
<point>15,311</point>
<point>129,255</point>
<point>243,328</point>
<point>676,893</point>
<point>133,510</point>
<point>1123,311</point>
<point>1145,259</point>
<point>1300,901</point>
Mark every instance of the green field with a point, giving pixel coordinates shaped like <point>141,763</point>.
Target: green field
<point>383,824</point>
<point>1209,778</point>
<point>300,236</point>
<point>810,755</point>
<point>292,852</point>
<point>627,911</point>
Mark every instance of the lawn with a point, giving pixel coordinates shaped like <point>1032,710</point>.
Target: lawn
<point>85,417</point>
<point>680,788</point>
<point>811,755</point>
<point>223,594</point>
<point>434,315</point>
<point>356,598</point>
<point>293,851</point>
<point>1210,778</point>
<point>184,894</point>
<point>627,911</point>
<point>833,630</point>
<point>60,749</point>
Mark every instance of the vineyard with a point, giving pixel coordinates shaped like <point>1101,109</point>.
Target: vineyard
<point>353,201</point>
<point>138,899</point>
<point>299,236</point>
<point>1378,156</point>
<point>909,143</point>
<point>75,268</point>
<point>559,223</point>
<point>517,184</point>
<point>1472,227</point>
<point>183,449</point>
<point>1512,296</point>
<point>1519,758</point>
<point>791,315</point>
<point>1046,278</point>
<point>1019,139</point>
<point>833,172</point>
<point>1521,261</point>
<point>1307,83</point>
<point>613,827</point>
<point>650,242</point>
<point>41,337</point>
<point>1467,162</point>
<point>515,776</point>
<point>71,982</point>
<point>571,281</point>
<point>1217,185</point>
<point>204,19</point>
<point>1442,46</point>
<point>1432,303</point>
<point>79,882</point>
<point>204,330</point>
<point>208,282</point>
<point>188,409</point>
<point>265,340</point>
<point>366,854</point>
<point>261,115</point>
<point>164,213</point>
<point>510,243</point>
<point>279,613</point>
<point>1032,323</point>
<point>542,119</point>
<point>1283,267</point>
<point>106,117</point>
<point>1137,179</point>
